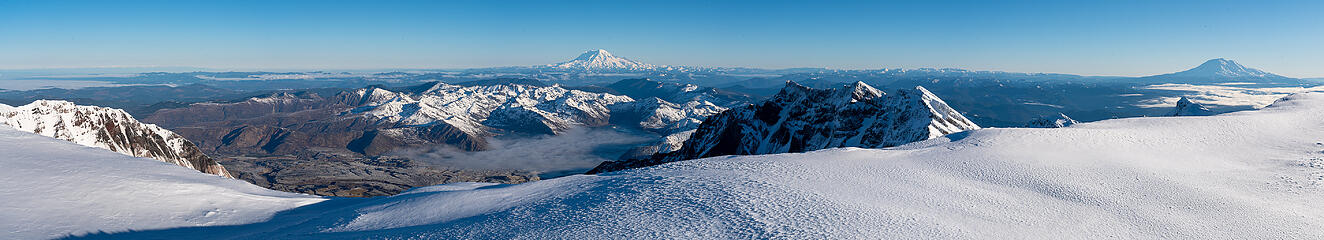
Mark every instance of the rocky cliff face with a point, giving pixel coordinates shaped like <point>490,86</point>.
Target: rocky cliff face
<point>108,128</point>
<point>800,119</point>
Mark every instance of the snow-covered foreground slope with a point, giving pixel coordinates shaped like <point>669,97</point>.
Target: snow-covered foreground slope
<point>1253,174</point>
<point>51,188</point>
<point>110,129</point>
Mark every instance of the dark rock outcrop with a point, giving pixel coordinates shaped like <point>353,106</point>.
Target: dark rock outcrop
<point>1185,107</point>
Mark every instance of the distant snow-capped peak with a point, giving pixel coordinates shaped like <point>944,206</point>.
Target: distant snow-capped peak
<point>601,60</point>
<point>1220,67</point>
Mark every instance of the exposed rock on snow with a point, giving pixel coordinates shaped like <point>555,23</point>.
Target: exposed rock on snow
<point>1187,108</point>
<point>108,128</point>
<point>1059,121</point>
<point>802,119</point>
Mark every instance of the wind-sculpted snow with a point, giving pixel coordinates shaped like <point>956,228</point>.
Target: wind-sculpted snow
<point>54,188</point>
<point>802,119</point>
<point>1245,175</point>
<point>107,128</point>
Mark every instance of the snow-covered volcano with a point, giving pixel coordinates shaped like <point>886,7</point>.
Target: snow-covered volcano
<point>601,60</point>
<point>1221,70</point>
<point>1220,67</point>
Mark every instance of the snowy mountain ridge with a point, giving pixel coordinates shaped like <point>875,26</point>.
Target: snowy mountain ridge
<point>110,129</point>
<point>478,109</point>
<point>800,119</point>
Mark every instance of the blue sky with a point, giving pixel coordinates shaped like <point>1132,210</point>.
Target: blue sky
<point>1126,38</point>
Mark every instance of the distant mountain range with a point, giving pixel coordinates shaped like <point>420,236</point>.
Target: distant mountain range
<point>599,66</point>
<point>361,126</point>
<point>992,97</point>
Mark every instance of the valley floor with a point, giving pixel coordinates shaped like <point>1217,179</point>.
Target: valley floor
<point>1255,174</point>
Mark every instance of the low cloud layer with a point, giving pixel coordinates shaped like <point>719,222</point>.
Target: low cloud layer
<point>1225,95</point>
<point>575,149</point>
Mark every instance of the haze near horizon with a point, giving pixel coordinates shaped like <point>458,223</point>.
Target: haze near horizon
<point>1089,38</point>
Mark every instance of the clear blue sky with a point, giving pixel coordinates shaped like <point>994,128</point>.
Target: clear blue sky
<point>1092,38</point>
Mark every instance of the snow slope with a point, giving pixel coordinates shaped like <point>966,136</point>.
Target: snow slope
<point>53,188</point>
<point>1257,174</point>
<point>110,129</point>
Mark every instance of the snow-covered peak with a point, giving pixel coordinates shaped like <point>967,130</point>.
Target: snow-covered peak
<point>1220,68</point>
<point>598,60</point>
<point>861,90</point>
<point>594,55</point>
<point>800,119</point>
<point>1227,68</point>
<point>856,92</point>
